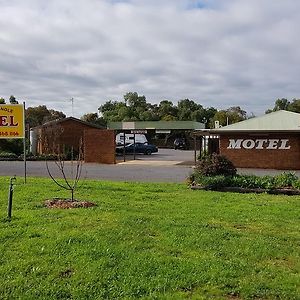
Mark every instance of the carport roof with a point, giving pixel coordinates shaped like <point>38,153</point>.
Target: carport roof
<point>168,125</point>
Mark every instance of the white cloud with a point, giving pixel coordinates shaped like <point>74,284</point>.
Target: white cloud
<point>218,53</point>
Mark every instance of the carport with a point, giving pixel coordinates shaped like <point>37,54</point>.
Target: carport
<point>162,133</point>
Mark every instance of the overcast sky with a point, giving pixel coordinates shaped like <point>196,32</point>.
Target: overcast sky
<point>218,53</point>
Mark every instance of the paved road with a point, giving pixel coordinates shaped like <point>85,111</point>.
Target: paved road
<point>156,172</point>
<point>168,165</point>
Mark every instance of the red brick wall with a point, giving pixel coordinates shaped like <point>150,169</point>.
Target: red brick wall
<point>288,159</point>
<point>99,146</point>
<point>68,133</point>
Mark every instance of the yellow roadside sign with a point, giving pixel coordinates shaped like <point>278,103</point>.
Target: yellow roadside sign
<point>12,121</point>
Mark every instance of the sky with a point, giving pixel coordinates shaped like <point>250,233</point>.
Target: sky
<point>219,53</point>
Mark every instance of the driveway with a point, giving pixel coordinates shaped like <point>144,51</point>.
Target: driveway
<point>165,155</point>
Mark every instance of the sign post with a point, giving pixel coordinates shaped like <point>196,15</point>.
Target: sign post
<point>12,124</point>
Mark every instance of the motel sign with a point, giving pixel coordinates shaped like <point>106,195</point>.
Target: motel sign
<point>12,121</point>
<point>270,144</point>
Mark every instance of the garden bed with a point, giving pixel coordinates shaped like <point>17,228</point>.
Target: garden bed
<point>283,191</point>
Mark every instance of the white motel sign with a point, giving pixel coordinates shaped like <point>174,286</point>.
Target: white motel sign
<point>270,144</point>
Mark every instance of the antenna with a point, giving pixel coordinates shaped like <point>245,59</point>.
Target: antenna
<point>72,100</point>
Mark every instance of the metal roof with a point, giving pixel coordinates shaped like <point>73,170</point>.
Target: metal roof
<point>280,121</point>
<point>169,125</point>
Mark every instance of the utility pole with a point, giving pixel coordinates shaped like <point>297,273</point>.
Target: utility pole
<point>72,101</point>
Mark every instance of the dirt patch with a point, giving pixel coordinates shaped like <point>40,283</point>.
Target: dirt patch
<point>67,203</point>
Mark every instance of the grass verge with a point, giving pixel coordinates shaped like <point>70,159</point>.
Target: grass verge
<point>148,241</point>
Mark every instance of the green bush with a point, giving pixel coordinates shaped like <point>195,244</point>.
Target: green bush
<point>213,182</point>
<point>296,184</point>
<point>215,164</point>
<point>285,180</point>
<point>252,181</point>
<point>5,155</point>
<point>40,157</point>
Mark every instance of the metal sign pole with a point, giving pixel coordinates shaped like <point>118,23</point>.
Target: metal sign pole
<point>134,146</point>
<point>24,147</point>
<point>195,150</point>
<point>124,154</point>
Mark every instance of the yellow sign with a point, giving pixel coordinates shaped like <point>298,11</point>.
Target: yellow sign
<point>12,121</point>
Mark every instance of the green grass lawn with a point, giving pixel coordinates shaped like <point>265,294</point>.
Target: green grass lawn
<point>148,241</point>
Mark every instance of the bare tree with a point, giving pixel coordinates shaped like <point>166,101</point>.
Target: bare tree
<point>53,145</point>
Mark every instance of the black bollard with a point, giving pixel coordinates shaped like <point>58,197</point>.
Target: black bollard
<point>10,196</point>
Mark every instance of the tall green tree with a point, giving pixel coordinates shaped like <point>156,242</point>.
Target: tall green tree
<point>132,99</point>
<point>189,110</point>
<point>280,104</point>
<point>294,106</point>
<point>229,116</point>
<point>285,104</point>
<point>114,111</point>
<point>186,107</point>
<point>39,115</point>
<point>136,108</point>
<point>93,118</point>
<point>167,111</point>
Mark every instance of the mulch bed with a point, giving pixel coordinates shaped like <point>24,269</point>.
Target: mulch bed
<point>67,203</point>
<point>286,191</point>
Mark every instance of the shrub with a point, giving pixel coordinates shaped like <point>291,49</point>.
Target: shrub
<point>215,164</point>
<point>213,182</point>
<point>286,179</point>
<point>252,181</point>
<point>6,155</point>
<point>39,157</point>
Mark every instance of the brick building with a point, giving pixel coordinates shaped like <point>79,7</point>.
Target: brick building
<point>59,136</point>
<point>271,141</point>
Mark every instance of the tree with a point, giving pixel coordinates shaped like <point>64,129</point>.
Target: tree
<point>134,100</point>
<point>13,100</point>
<point>39,115</point>
<point>113,111</point>
<point>237,114</point>
<point>136,108</point>
<point>93,118</point>
<point>2,100</point>
<point>167,111</point>
<point>284,104</point>
<point>280,104</point>
<point>208,115</point>
<point>53,147</point>
<point>229,116</point>
<point>294,106</point>
<point>185,109</point>
<point>136,105</point>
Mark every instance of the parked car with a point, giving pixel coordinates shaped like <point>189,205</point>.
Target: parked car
<point>180,143</point>
<point>144,148</point>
